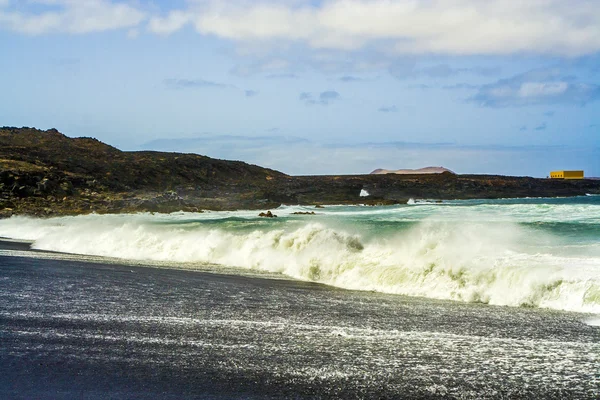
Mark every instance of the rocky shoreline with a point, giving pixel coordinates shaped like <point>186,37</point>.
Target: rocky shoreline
<point>44,173</point>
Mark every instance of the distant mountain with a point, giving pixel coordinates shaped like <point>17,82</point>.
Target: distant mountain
<point>426,170</point>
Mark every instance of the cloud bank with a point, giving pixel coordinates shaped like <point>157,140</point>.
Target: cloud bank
<point>454,27</point>
<point>408,27</point>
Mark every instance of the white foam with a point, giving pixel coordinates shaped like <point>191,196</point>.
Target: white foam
<point>455,258</point>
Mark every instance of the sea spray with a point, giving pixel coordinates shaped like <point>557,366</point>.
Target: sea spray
<point>498,254</point>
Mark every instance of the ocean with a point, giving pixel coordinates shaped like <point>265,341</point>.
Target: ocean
<point>454,299</point>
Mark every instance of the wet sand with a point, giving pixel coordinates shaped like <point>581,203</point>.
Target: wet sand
<point>73,329</point>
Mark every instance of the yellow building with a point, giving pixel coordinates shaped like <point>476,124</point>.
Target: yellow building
<point>566,175</point>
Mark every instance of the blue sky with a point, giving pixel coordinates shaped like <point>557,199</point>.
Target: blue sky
<point>315,87</point>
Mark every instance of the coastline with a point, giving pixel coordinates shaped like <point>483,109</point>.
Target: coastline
<point>45,173</point>
<point>299,190</point>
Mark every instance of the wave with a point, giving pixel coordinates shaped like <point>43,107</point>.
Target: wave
<point>496,263</point>
<point>412,201</point>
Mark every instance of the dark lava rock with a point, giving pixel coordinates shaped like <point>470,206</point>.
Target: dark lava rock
<point>268,214</point>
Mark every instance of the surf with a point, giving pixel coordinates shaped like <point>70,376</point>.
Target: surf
<point>499,257</point>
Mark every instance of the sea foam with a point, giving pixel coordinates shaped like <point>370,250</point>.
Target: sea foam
<point>501,263</point>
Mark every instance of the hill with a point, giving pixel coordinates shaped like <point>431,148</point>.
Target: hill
<point>46,168</point>
<point>117,169</point>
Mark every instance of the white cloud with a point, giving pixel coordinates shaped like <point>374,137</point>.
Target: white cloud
<point>407,26</point>
<point>71,16</point>
<point>454,27</point>
<point>542,86</point>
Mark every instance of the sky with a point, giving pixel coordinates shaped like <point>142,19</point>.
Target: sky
<point>315,87</point>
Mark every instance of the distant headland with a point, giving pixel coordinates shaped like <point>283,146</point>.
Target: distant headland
<point>426,170</point>
<point>46,173</point>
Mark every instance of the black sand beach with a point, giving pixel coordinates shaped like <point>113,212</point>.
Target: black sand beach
<point>71,329</point>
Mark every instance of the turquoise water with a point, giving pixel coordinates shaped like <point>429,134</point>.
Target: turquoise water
<point>523,253</point>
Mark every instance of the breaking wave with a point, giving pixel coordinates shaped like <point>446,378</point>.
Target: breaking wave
<point>500,263</point>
